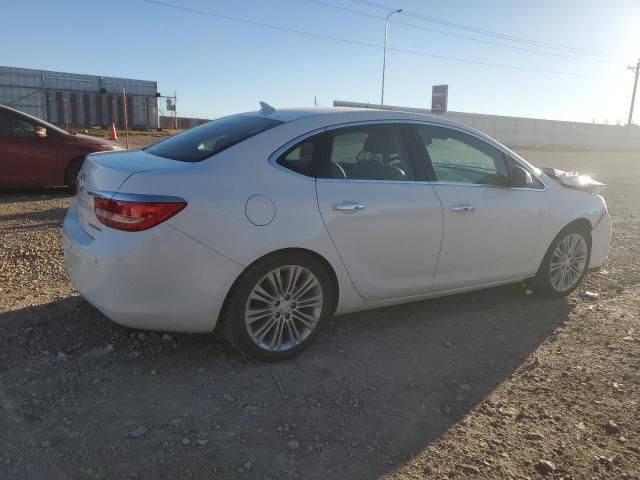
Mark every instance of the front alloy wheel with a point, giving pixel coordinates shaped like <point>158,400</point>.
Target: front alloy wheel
<point>568,262</point>
<point>565,264</point>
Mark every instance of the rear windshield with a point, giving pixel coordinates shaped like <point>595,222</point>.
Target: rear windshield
<point>206,140</point>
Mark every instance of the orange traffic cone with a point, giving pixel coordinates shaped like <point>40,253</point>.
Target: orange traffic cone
<point>112,132</point>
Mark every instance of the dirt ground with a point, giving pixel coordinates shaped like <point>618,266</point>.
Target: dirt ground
<point>137,139</point>
<point>493,384</point>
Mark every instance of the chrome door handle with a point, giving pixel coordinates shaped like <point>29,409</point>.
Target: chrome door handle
<point>348,207</point>
<point>462,208</point>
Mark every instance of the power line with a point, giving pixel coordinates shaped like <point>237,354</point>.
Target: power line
<point>366,44</point>
<point>504,36</point>
<point>456,35</point>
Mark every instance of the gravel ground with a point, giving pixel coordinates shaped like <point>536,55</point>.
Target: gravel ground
<point>493,384</point>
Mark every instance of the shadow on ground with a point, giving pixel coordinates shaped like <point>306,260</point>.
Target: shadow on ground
<point>12,196</point>
<point>38,220</point>
<point>85,398</point>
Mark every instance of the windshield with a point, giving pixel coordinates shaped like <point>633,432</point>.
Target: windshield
<point>206,140</point>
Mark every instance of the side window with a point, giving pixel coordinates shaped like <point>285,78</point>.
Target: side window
<point>11,124</point>
<point>461,158</point>
<point>369,152</point>
<point>5,125</point>
<point>299,159</point>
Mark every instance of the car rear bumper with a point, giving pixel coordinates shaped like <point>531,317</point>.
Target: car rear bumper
<point>158,279</point>
<point>600,240</point>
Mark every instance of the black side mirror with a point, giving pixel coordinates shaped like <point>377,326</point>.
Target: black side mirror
<point>520,177</point>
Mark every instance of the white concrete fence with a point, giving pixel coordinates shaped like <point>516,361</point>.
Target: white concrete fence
<point>516,131</point>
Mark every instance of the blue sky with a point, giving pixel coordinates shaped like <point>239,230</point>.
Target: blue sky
<point>220,66</point>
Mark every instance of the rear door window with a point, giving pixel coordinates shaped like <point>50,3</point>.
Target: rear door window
<point>369,152</point>
<point>202,142</point>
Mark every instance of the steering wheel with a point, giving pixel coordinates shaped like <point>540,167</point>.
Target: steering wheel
<point>22,128</point>
<point>401,172</point>
<point>365,156</point>
<point>395,160</point>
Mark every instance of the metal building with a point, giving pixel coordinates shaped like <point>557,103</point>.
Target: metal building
<point>180,123</point>
<point>520,131</point>
<point>80,100</point>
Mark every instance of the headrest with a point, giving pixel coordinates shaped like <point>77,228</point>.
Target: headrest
<point>306,149</point>
<point>378,142</point>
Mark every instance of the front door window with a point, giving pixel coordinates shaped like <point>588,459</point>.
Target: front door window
<point>11,124</point>
<point>460,158</point>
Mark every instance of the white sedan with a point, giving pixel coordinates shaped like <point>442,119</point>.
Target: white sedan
<point>271,221</point>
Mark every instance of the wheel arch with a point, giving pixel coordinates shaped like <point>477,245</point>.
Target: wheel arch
<point>305,251</point>
<point>535,283</point>
<point>581,222</point>
<point>67,168</point>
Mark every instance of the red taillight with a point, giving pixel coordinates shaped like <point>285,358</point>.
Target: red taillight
<point>134,216</point>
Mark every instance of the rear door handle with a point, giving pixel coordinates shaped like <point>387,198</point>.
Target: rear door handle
<point>462,208</point>
<point>348,207</point>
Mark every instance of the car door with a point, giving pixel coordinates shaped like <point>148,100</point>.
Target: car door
<point>383,217</point>
<point>25,158</point>
<point>491,231</point>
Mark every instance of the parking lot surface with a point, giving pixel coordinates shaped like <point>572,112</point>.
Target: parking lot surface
<point>493,384</point>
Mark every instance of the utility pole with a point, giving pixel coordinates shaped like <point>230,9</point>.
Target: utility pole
<point>636,70</point>
<point>45,117</point>
<point>66,118</point>
<point>126,117</point>
<point>384,51</point>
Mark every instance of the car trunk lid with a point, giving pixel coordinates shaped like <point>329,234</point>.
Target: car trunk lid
<point>102,174</point>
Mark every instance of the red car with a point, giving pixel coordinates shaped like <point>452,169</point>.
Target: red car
<point>34,153</point>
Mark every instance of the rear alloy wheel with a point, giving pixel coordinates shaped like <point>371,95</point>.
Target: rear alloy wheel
<point>278,306</point>
<point>565,264</point>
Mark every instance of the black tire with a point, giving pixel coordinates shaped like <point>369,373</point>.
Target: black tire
<point>233,317</point>
<point>542,283</point>
<point>71,175</point>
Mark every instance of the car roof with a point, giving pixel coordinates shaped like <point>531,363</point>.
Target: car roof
<point>349,114</point>
<point>340,115</point>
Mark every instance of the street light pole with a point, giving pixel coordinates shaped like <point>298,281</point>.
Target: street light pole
<point>384,51</point>
<point>635,70</point>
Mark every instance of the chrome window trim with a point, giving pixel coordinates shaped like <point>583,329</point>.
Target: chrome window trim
<point>274,156</point>
<point>493,144</point>
<point>425,182</point>
<point>134,197</point>
<point>362,180</point>
<point>475,185</point>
